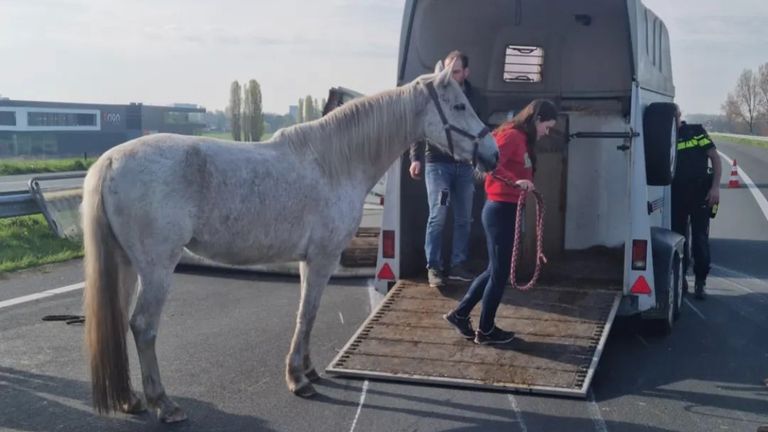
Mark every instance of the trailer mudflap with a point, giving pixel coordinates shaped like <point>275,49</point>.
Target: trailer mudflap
<point>560,333</point>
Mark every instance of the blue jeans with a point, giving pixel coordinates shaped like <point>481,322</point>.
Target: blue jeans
<point>499,224</point>
<point>448,184</point>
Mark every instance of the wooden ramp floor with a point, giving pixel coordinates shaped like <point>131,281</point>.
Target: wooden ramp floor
<point>560,333</point>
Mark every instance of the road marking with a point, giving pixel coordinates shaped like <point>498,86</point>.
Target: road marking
<point>594,412</point>
<point>373,299</point>
<point>360,405</point>
<point>643,340</point>
<point>737,274</point>
<point>759,197</point>
<point>694,309</point>
<point>518,414</point>
<point>41,295</point>
<point>341,317</point>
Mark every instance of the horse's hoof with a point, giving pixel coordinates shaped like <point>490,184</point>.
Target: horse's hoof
<point>312,375</point>
<point>136,406</point>
<point>305,391</point>
<point>174,416</point>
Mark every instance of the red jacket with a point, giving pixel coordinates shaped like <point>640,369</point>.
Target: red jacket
<point>514,164</point>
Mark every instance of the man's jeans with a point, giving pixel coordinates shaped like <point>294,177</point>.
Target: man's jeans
<point>448,184</point>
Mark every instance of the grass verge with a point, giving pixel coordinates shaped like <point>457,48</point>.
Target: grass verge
<point>28,242</point>
<point>741,140</point>
<point>21,166</point>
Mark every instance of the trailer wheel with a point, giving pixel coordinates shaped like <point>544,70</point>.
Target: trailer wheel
<point>679,279</point>
<point>666,302</point>
<point>660,140</point>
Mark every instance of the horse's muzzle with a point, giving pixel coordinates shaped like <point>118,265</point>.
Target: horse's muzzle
<point>487,163</point>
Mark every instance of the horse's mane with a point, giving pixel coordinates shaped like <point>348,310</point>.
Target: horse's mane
<point>358,131</point>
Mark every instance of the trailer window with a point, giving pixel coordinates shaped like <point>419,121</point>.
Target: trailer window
<point>523,64</point>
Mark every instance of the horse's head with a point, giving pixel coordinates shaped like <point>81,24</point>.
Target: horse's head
<point>451,124</point>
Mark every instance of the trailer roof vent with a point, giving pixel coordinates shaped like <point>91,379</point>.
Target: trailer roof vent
<point>523,64</point>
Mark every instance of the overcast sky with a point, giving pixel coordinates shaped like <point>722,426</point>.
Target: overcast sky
<point>189,51</point>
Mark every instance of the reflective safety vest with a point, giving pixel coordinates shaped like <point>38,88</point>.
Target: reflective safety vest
<point>697,141</point>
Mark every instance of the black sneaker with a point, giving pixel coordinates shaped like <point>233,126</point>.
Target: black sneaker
<point>435,278</point>
<point>460,273</point>
<point>496,336</point>
<point>698,291</point>
<point>462,325</point>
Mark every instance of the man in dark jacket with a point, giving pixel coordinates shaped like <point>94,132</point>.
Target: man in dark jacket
<point>450,183</point>
<point>695,192</point>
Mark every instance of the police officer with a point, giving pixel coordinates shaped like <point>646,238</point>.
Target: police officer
<point>695,195</point>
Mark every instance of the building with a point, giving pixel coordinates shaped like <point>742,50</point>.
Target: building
<point>62,129</point>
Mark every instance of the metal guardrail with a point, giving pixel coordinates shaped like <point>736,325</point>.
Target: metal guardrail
<point>17,203</point>
<point>29,202</point>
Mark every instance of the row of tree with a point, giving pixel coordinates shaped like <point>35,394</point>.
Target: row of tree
<point>309,109</point>
<point>746,107</point>
<point>247,120</point>
<point>245,111</point>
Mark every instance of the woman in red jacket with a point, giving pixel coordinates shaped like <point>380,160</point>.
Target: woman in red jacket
<point>513,175</point>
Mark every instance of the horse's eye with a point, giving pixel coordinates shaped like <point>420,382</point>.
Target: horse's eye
<point>459,107</point>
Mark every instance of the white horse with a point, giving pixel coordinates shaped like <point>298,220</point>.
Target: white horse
<point>296,197</point>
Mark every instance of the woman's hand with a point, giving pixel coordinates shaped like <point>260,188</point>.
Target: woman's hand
<point>525,185</point>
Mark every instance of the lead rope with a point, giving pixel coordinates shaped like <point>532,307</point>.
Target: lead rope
<point>540,258</point>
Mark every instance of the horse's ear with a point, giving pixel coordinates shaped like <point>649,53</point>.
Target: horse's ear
<point>439,66</point>
<point>445,75</point>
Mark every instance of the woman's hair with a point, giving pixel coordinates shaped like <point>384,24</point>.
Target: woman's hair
<point>525,121</point>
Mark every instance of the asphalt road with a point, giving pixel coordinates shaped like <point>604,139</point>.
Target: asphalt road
<point>224,336</point>
<point>20,182</point>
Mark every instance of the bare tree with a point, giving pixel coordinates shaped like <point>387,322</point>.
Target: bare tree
<point>762,89</point>
<point>742,105</point>
<point>234,109</point>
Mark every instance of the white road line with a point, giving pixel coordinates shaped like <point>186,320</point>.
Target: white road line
<point>594,413</point>
<point>360,405</point>
<point>698,312</point>
<point>739,275</point>
<point>341,317</point>
<point>40,295</point>
<point>518,413</point>
<point>643,340</point>
<point>759,197</point>
<point>373,299</point>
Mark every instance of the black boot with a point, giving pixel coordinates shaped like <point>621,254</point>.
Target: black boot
<point>699,293</point>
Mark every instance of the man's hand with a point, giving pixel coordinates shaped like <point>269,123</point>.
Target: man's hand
<point>526,185</point>
<point>713,196</point>
<point>415,170</point>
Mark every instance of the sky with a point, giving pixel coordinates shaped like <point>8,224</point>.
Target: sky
<point>189,51</point>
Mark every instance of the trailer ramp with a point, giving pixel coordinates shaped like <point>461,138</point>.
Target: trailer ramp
<point>560,334</point>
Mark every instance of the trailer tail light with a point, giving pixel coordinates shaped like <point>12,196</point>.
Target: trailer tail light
<point>388,243</point>
<point>639,254</point>
<point>641,286</point>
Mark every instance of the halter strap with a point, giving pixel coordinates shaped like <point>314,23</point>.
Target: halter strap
<point>448,127</point>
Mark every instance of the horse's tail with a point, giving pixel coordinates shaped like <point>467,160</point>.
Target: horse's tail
<point>106,311</point>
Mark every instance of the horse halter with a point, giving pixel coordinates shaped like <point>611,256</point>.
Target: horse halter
<point>451,128</point>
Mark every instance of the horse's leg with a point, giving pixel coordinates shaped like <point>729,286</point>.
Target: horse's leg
<point>127,284</point>
<point>314,278</point>
<point>155,283</point>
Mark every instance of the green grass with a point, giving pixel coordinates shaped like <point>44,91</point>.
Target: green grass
<point>21,166</point>
<point>29,242</point>
<point>740,140</point>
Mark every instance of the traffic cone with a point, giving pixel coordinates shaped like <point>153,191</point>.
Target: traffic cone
<point>733,182</point>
